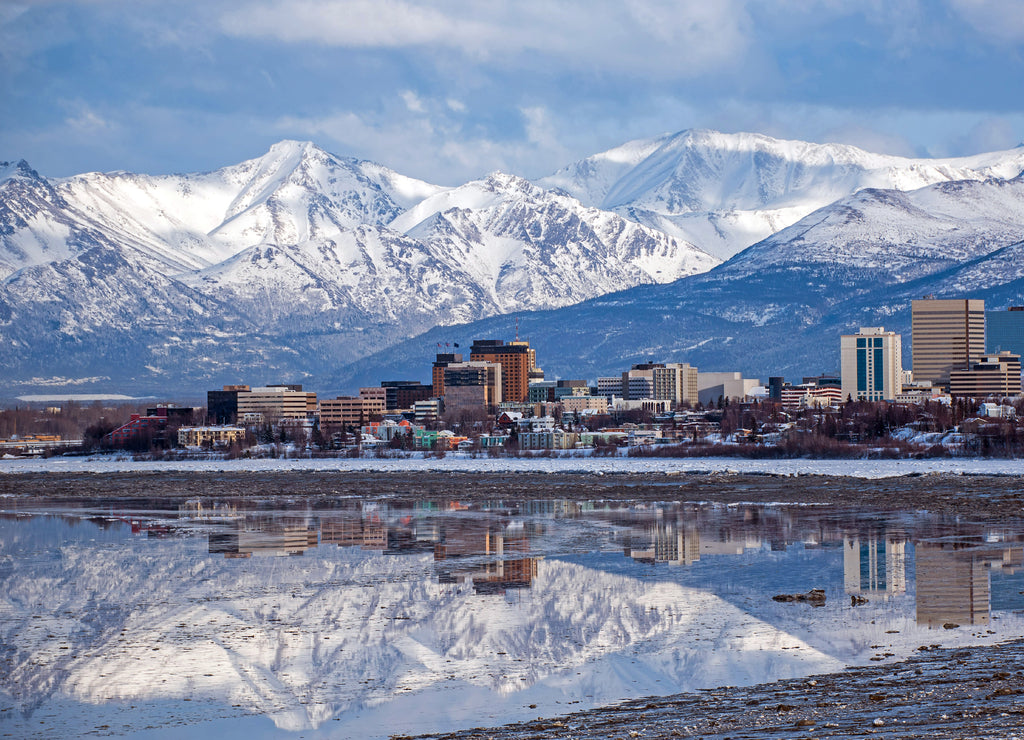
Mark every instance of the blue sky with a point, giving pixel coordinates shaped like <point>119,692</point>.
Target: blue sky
<point>451,90</point>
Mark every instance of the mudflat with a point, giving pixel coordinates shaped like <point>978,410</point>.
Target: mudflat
<point>981,496</point>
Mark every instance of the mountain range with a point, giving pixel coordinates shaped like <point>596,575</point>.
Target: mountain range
<point>303,266</point>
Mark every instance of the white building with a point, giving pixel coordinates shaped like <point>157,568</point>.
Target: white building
<point>872,364</point>
<point>732,386</point>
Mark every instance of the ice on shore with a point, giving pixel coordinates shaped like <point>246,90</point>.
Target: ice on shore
<point>464,463</point>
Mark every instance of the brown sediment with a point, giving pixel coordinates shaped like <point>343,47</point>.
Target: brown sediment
<point>970,495</point>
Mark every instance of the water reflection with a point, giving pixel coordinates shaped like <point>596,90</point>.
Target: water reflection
<point>370,618</point>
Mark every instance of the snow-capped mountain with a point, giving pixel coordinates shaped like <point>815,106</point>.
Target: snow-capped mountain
<point>300,262</point>
<point>297,256</point>
<point>779,307</point>
<point>725,192</point>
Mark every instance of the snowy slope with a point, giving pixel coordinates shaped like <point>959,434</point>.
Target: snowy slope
<point>904,234</point>
<point>502,229</point>
<point>724,192</point>
<point>779,307</point>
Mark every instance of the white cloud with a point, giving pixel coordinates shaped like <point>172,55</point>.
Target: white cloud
<point>433,147</point>
<point>680,38</point>
<point>412,101</point>
<point>998,19</point>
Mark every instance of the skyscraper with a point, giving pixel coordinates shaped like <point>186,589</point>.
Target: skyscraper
<point>872,364</point>
<point>517,360</point>
<point>948,334</point>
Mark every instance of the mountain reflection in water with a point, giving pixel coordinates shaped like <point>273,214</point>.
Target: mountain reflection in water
<point>370,618</point>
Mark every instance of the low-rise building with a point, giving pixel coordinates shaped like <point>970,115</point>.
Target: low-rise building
<point>724,385</point>
<point>349,410</point>
<point>992,375</point>
<point>276,402</point>
<point>214,436</point>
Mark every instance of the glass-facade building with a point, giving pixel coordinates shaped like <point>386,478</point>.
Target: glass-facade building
<point>872,364</point>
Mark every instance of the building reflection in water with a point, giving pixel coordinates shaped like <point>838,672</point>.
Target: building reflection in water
<point>263,535</point>
<point>675,542</point>
<point>496,552</point>
<point>875,565</point>
<point>954,580</point>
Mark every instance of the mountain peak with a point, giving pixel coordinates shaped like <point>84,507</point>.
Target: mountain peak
<point>20,168</point>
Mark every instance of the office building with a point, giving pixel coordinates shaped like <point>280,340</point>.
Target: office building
<point>348,411</point>
<point>872,365</point>
<point>274,402</point>
<point>993,375</point>
<point>517,362</point>
<point>473,385</point>
<point>1004,331</point>
<point>442,361</point>
<point>403,394</point>
<point>947,334</point>
<point>676,382</point>
<point>222,405</point>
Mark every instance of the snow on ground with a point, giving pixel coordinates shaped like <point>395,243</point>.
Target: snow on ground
<point>464,463</point>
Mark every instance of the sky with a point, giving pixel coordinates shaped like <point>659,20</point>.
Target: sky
<point>450,90</point>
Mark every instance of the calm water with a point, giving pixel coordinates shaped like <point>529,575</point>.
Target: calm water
<point>365,619</point>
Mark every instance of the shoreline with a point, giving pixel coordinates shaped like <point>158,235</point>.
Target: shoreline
<point>937,693</point>
<point>540,464</point>
<point>973,496</point>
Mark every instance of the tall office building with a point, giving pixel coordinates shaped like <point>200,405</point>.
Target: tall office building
<point>872,364</point>
<point>517,361</point>
<point>948,334</point>
<point>1004,331</point>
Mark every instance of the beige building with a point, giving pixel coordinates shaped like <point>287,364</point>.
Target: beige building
<point>948,334</point>
<point>675,382</point>
<point>275,402</point>
<point>579,404</point>
<point>348,411</point>
<point>872,364</point>
<point>377,393</point>
<point>992,375</point>
<point>215,436</point>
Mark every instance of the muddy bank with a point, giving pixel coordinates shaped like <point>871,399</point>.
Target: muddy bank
<point>968,495</point>
<point>967,693</point>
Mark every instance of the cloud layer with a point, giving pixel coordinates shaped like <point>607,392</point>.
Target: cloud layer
<point>450,90</point>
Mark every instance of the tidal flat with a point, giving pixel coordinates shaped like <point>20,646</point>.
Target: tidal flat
<point>370,604</point>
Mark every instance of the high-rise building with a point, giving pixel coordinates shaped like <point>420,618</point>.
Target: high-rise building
<point>402,394</point>
<point>517,360</point>
<point>473,384</point>
<point>442,361</point>
<point>676,382</point>
<point>872,365</point>
<point>1004,331</point>
<point>948,334</point>
<point>222,406</point>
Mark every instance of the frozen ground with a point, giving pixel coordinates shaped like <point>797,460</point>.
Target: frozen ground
<point>936,694</point>
<point>463,463</point>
